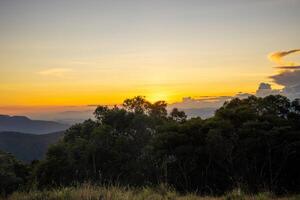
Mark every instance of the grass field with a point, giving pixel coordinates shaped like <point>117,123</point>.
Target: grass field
<point>89,192</point>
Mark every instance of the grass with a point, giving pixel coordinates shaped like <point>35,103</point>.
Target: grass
<point>90,192</point>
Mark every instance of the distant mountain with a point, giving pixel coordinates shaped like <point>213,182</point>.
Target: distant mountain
<point>65,117</point>
<point>200,112</point>
<point>27,147</point>
<point>25,125</point>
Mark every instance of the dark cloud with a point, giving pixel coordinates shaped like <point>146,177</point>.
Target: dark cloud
<point>288,67</point>
<point>285,53</point>
<point>287,78</point>
<point>291,82</point>
<point>264,86</point>
<point>265,89</point>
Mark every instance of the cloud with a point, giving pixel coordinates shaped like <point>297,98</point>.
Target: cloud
<point>204,106</point>
<point>56,72</point>
<point>277,57</point>
<point>289,76</point>
<point>265,89</point>
<point>291,82</point>
<point>189,102</point>
<point>264,86</point>
<point>288,67</point>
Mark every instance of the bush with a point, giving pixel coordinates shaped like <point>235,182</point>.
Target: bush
<point>13,174</point>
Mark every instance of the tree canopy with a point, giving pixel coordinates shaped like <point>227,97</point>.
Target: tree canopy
<point>13,173</point>
<point>252,143</point>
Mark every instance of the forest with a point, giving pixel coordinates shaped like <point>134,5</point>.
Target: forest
<point>252,144</point>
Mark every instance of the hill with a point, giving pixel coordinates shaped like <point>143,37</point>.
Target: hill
<point>27,147</point>
<point>25,125</point>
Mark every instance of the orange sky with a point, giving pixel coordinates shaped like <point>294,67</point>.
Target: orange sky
<point>101,52</point>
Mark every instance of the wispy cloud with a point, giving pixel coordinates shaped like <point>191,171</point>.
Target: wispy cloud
<point>288,67</point>
<point>277,57</point>
<point>56,72</point>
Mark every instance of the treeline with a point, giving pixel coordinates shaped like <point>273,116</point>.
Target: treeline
<point>253,143</point>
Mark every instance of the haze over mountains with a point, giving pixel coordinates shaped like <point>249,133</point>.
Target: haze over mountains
<point>28,139</point>
<point>66,116</point>
<point>25,125</point>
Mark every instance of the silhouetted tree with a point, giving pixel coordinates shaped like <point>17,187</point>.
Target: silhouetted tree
<point>252,142</point>
<point>178,116</point>
<point>13,174</point>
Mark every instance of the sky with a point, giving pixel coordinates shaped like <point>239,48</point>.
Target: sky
<point>87,52</point>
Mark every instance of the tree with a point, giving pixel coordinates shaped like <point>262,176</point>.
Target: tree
<point>252,142</point>
<point>13,174</point>
<point>178,116</point>
<point>137,104</point>
<point>158,110</point>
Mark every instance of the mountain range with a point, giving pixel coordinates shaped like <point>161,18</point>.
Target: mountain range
<point>28,139</point>
<point>25,125</point>
<point>27,147</point>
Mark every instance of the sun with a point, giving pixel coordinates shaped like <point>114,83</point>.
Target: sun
<point>157,96</point>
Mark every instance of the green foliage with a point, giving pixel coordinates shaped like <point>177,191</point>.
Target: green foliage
<point>178,116</point>
<point>13,174</point>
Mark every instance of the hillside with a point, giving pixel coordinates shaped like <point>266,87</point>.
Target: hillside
<point>27,147</point>
<point>25,125</point>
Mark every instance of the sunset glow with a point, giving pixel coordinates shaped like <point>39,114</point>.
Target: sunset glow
<point>58,53</point>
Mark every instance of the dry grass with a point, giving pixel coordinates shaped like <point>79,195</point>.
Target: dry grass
<point>89,192</point>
